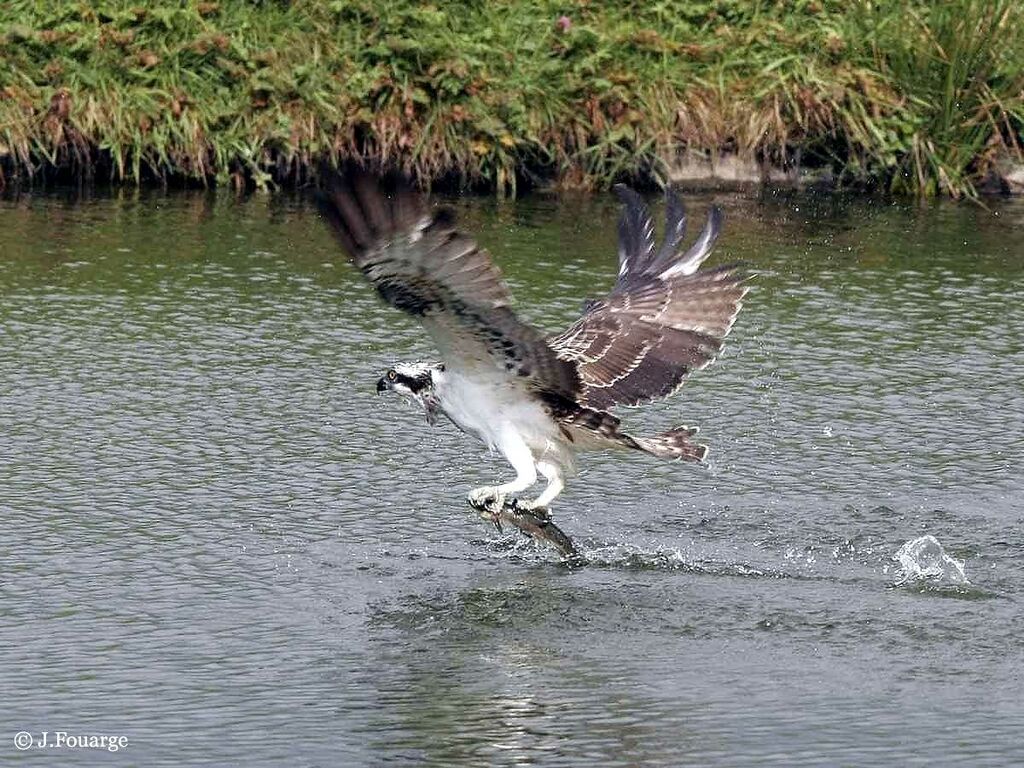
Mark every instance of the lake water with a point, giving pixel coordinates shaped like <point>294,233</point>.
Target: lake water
<point>218,542</point>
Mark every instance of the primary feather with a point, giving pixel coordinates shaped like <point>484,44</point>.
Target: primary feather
<point>420,263</point>
<point>663,319</point>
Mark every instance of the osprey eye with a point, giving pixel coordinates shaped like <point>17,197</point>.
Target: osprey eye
<point>392,375</point>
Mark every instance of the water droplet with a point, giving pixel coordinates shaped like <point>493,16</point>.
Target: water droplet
<point>925,559</point>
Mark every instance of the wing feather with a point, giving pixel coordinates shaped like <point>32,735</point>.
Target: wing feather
<point>663,319</point>
<point>421,264</point>
<point>675,229</point>
<point>636,233</point>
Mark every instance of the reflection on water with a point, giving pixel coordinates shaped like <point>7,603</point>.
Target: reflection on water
<point>219,543</point>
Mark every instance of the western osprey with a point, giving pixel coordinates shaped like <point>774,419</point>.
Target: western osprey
<point>539,398</point>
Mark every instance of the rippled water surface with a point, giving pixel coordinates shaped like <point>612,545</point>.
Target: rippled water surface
<point>217,542</point>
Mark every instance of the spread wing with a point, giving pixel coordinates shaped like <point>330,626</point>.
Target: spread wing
<point>664,318</point>
<point>420,263</point>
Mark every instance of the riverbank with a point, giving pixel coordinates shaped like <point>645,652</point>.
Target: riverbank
<point>915,97</point>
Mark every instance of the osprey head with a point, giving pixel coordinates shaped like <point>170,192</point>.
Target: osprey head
<point>414,381</point>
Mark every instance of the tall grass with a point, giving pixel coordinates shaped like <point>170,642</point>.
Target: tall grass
<point>923,96</point>
<point>960,69</point>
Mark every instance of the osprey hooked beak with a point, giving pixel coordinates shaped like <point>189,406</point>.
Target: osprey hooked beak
<point>386,382</point>
<point>414,382</point>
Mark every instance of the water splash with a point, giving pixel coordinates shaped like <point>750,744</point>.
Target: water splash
<point>621,555</point>
<point>925,560</point>
<point>631,558</point>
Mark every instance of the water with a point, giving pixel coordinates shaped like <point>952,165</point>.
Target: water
<point>925,560</point>
<point>220,544</point>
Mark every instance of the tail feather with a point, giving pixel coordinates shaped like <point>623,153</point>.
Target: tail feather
<point>674,444</point>
<point>599,429</point>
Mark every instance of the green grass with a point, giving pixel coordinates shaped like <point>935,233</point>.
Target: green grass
<point>919,97</point>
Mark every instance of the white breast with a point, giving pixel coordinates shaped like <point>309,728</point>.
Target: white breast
<point>487,403</point>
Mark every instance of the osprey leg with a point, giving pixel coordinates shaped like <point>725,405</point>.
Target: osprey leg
<point>514,449</point>
<point>553,474</point>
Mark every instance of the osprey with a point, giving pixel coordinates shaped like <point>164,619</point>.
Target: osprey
<point>538,398</point>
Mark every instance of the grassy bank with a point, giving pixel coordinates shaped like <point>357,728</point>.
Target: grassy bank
<point>919,97</point>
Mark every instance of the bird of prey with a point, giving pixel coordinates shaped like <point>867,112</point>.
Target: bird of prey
<point>538,398</point>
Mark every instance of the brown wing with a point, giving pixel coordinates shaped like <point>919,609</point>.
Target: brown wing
<point>663,319</point>
<point>420,263</point>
